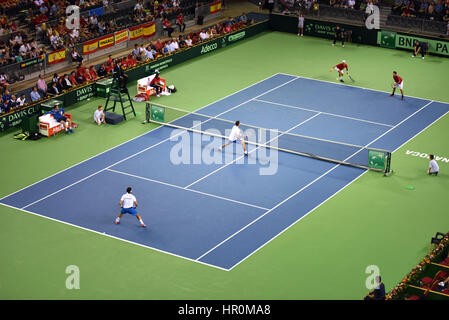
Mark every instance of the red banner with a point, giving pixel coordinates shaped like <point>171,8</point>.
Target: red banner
<point>149,30</point>
<point>56,56</point>
<point>90,47</point>
<point>121,36</point>
<point>215,7</point>
<point>106,41</point>
<point>135,32</point>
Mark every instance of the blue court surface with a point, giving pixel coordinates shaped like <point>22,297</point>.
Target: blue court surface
<point>220,213</point>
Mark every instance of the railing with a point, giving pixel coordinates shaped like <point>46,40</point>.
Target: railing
<point>418,24</point>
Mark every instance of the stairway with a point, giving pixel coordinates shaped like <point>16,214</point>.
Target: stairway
<point>384,13</point>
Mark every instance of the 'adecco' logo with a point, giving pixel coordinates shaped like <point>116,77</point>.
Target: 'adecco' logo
<point>236,36</point>
<point>208,48</point>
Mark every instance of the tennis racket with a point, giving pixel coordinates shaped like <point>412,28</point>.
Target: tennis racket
<point>247,134</point>
<point>351,78</point>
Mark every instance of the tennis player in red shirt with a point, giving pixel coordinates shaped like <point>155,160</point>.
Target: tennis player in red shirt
<point>398,83</point>
<point>340,67</point>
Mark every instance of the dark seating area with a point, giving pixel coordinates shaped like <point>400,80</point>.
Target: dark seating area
<point>417,24</point>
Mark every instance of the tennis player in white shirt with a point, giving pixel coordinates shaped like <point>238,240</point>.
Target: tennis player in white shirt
<point>236,136</point>
<point>128,203</point>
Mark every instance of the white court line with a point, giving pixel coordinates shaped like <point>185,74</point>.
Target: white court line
<point>148,148</point>
<point>330,114</point>
<point>114,237</point>
<point>190,190</point>
<point>310,211</point>
<point>352,86</point>
<point>162,127</point>
<point>303,188</point>
<point>211,173</point>
<point>148,132</point>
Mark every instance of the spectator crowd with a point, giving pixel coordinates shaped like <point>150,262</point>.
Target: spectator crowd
<point>437,10</point>
<point>141,54</point>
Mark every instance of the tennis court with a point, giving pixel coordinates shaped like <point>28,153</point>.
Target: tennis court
<point>220,214</point>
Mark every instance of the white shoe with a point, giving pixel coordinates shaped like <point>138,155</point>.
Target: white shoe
<point>423,58</point>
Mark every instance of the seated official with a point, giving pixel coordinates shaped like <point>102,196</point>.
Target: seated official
<point>59,115</point>
<point>54,89</point>
<point>121,75</point>
<point>99,117</point>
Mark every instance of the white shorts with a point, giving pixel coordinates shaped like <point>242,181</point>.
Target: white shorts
<point>399,85</point>
<point>339,71</point>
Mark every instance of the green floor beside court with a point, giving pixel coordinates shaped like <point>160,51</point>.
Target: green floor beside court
<point>374,221</point>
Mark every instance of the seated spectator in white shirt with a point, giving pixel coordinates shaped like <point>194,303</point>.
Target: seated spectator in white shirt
<point>203,35</point>
<point>351,4</point>
<point>175,44</point>
<point>21,100</point>
<point>99,116</point>
<point>188,41</point>
<point>149,53</point>
<point>169,47</point>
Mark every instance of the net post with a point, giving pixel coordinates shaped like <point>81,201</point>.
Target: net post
<point>388,165</point>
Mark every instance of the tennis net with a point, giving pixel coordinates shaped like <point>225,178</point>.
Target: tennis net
<point>326,150</point>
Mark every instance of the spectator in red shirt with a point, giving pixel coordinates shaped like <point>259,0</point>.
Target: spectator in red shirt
<point>110,61</point>
<point>93,73</point>
<point>131,61</point>
<point>180,22</point>
<point>86,76</point>
<point>72,78</point>
<point>81,70</point>
<point>166,25</point>
<point>158,45</point>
